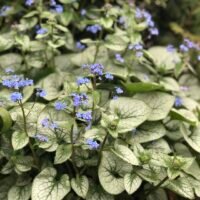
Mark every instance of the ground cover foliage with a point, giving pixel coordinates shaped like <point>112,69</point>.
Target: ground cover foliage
<point>97,102</point>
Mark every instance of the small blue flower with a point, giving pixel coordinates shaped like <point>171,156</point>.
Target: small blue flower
<point>58,8</point>
<point>16,96</point>
<point>4,10</point>
<point>79,99</point>
<point>45,122</point>
<point>97,69</point>
<point>29,2</point>
<point>121,20</point>
<point>9,70</point>
<point>83,12</point>
<point>41,138</point>
<point>178,102</point>
<point>85,116</point>
<point>115,97</point>
<point>60,105</point>
<point>198,57</point>
<point>41,31</point>
<point>139,54</point>
<point>138,13</point>
<point>40,92</point>
<point>109,76</point>
<point>154,31</point>
<point>189,43</point>
<point>118,90</point>
<point>184,48</point>
<point>135,47</point>
<point>53,125</point>
<point>94,28</point>
<point>80,46</point>
<point>170,48</point>
<point>82,80</point>
<point>52,2</point>
<point>92,144</point>
<point>119,58</point>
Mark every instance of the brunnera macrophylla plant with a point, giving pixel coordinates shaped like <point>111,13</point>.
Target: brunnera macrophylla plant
<point>89,110</point>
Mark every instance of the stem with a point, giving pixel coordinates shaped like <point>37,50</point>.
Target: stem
<point>25,130</point>
<point>101,149</point>
<point>98,46</point>
<point>72,143</point>
<point>156,187</point>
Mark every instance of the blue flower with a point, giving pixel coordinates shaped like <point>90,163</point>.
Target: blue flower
<point>41,138</point>
<point>109,76</point>
<point>17,82</point>
<point>40,92</point>
<point>189,43</point>
<point>16,96</point>
<point>139,13</point>
<point>198,57</point>
<point>53,125</point>
<point>82,80</point>
<point>57,8</point>
<point>94,28</point>
<point>184,48</point>
<point>121,20</point>
<point>85,116</point>
<point>79,99</point>
<point>52,2</point>
<point>4,10</point>
<point>139,54</point>
<point>41,31</point>
<point>83,12</point>
<point>80,46</point>
<point>92,144</point>
<point>45,122</point>
<point>29,2</point>
<point>60,105</point>
<point>170,48</point>
<point>154,31</point>
<point>119,58</point>
<point>118,90</point>
<point>136,47</point>
<point>178,102</point>
<point>9,70</point>
<point>96,69</point>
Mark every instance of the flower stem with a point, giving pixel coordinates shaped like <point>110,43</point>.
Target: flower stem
<point>25,130</point>
<point>101,149</point>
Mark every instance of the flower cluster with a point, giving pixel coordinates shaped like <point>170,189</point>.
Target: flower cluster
<point>80,46</point>
<point>178,102</point>
<point>4,10</point>
<point>79,99</point>
<point>41,31</point>
<point>41,138</point>
<point>119,58</point>
<point>170,48</point>
<point>60,105</point>
<point>47,124</point>
<point>40,92</point>
<point>17,82</point>
<point>87,116</point>
<point>94,28</point>
<point>29,2</point>
<point>143,14</point>
<point>109,76</point>
<point>56,7</point>
<point>16,96</point>
<point>187,45</point>
<point>82,80</point>
<point>92,144</point>
<point>137,48</point>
